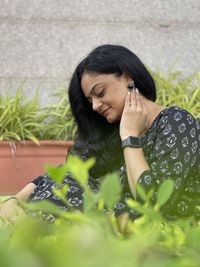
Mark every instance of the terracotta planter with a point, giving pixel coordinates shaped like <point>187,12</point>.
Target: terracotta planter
<point>20,162</point>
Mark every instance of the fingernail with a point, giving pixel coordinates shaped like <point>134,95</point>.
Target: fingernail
<point>129,93</point>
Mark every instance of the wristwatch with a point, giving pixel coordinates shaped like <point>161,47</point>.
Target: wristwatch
<point>133,141</point>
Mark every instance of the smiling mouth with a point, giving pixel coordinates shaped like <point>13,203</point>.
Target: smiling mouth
<point>105,111</point>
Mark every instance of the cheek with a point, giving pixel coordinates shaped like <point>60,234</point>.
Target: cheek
<point>121,103</point>
<point>117,111</point>
<point>119,99</point>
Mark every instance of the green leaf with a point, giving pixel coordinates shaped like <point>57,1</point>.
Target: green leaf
<point>61,192</point>
<point>45,206</point>
<point>79,168</point>
<point>193,238</point>
<point>90,199</point>
<point>57,174</point>
<point>146,210</point>
<point>164,192</point>
<point>141,192</point>
<point>110,190</point>
<point>74,165</point>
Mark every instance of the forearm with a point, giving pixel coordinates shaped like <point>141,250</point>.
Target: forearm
<point>10,210</point>
<point>136,164</point>
<point>25,193</point>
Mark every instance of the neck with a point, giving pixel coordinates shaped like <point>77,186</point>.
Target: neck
<point>153,110</point>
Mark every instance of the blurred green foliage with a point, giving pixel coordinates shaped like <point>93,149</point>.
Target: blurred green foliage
<point>175,90</point>
<point>92,237</point>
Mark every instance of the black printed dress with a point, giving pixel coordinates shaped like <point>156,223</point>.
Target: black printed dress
<point>172,150</point>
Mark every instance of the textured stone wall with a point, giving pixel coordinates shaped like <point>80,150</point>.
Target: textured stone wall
<point>41,41</point>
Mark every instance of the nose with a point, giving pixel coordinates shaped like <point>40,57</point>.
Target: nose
<point>96,104</point>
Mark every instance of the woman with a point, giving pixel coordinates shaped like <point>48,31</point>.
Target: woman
<point>112,98</point>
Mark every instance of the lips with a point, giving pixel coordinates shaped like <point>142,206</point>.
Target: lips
<point>105,111</point>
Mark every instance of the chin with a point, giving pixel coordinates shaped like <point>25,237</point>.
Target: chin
<point>113,117</point>
<point>111,120</point>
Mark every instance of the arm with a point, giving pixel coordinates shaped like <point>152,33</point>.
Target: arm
<point>173,156</point>
<point>25,193</point>
<point>134,167</point>
<point>10,210</point>
<point>134,122</point>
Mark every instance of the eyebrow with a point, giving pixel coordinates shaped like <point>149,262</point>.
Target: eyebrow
<point>92,89</point>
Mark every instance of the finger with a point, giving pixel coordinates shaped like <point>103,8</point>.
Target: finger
<point>138,99</point>
<point>129,93</point>
<point>127,100</point>
<point>133,98</point>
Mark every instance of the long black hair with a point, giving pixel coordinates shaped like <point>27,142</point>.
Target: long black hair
<point>95,136</point>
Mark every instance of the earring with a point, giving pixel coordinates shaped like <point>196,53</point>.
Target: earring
<point>131,86</point>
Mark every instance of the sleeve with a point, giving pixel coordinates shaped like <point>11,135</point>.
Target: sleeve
<point>37,180</point>
<point>175,151</point>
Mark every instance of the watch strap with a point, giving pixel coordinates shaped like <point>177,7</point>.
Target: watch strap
<point>132,141</point>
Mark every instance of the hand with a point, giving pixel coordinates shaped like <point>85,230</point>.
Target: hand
<point>10,211</point>
<point>134,120</point>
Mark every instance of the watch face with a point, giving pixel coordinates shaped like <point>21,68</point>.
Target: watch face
<point>135,141</point>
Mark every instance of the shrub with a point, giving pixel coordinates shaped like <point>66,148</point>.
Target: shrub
<point>92,238</point>
<point>24,119</point>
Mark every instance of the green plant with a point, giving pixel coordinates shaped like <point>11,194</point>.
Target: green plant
<point>20,118</point>
<point>92,238</point>
<point>24,119</point>
<point>173,89</point>
<point>60,124</point>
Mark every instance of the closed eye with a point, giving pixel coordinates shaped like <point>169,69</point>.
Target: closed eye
<point>101,94</point>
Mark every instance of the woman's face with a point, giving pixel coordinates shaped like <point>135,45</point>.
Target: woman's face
<point>106,93</point>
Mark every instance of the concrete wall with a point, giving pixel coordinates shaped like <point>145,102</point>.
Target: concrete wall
<point>41,41</point>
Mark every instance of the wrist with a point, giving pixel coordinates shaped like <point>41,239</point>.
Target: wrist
<point>125,136</point>
<point>133,142</point>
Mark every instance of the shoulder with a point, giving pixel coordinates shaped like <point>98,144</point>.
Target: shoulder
<point>174,125</point>
<point>177,118</point>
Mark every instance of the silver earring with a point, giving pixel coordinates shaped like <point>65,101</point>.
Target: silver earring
<point>131,86</point>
